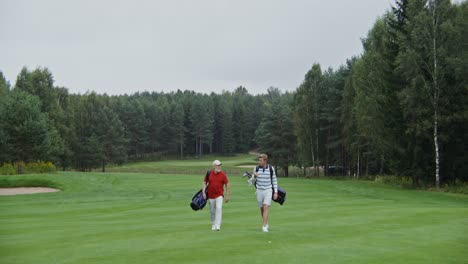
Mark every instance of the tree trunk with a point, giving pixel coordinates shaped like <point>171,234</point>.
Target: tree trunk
<point>196,147</point>
<point>415,181</point>
<point>436,147</point>
<point>367,166</point>
<point>103,165</point>
<point>327,154</point>
<point>382,161</point>
<point>286,171</point>
<point>201,147</point>
<point>316,143</point>
<point>343,164</point>
<point>436,94</point>
<point>358,164</point>
<point>313,154</point>
<point>181,150</point>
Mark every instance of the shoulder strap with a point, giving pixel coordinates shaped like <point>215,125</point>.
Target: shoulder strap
<point>271,174</point>
<point>207,176</point>
<point>256,170</point>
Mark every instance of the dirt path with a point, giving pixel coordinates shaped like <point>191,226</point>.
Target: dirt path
<point>26,190</point>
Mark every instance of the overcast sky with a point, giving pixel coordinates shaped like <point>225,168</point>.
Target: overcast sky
<point>118,47</point>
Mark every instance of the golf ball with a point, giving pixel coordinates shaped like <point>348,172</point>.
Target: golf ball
<point>269,242</point>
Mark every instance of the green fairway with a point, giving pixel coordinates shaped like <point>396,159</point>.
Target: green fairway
<point>189,166</point>
<point>146,218</point>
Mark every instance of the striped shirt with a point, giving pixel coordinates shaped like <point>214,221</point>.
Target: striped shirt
<point>264,179</point>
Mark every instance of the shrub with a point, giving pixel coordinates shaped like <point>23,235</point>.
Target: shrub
<point>29,168</point>
<point>7,169</point>
<point>400,181</point>
<point>32,167</point>
<point>457,187</point>
<point>20,166</point>
<point>48,167</point>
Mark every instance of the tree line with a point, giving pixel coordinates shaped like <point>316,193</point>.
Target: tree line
<point>40,121</point>
<point>399,108</point>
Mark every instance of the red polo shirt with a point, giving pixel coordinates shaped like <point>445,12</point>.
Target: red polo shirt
<point>216,184</point>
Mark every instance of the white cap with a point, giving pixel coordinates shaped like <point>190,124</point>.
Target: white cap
<point>216,162</point>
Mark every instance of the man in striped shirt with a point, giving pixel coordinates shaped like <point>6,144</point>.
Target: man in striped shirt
<point>265,184</point>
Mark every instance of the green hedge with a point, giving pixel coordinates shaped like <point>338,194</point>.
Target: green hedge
<point>27,168</point>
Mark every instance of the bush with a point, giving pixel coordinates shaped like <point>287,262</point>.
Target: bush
<point>7,169</point>
<point>48,167</point>
<point>457,187</point>
<point>29,168</point>
<point>21,165</point>
<point>399,181</point>
<point>32,167</point>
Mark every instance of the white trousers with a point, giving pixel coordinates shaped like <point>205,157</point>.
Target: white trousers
<point>216,209</point>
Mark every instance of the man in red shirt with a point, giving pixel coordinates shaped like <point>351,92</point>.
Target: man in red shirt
<point>216,182</point>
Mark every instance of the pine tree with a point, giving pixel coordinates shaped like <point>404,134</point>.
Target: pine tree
<point>275,135</point>
<point>26,129</point>
<point>4,86</point>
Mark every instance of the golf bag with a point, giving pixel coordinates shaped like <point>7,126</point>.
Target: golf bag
<point>281,192</point>
<point>198,202</point>
<point>281,196</point>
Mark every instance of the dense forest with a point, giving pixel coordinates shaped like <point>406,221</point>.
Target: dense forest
<point>399,108</point>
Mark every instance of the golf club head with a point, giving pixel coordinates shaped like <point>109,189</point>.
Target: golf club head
<point>246,174</point>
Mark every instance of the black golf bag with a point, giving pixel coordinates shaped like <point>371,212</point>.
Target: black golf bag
<point>281,196</point>
<point>198,202</point>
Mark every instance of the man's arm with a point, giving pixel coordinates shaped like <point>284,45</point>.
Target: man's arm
<point>204,189</point>
<point>275,181</point>
<point>228,192</point>
<point>205,184</point>
<point>275,184</point>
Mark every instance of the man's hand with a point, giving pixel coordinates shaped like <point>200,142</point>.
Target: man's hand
<point>251,181</point>
<point>275,196</point>
<point>204,195</point>
<point>226,199</point>
<point>255,174</point>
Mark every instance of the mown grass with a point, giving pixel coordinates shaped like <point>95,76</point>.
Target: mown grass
<point>188,166</point>
<point>146,218</point>
<point>13,181</point>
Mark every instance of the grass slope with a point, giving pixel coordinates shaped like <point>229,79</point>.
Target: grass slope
<point>190,166</point>
<point>145,218</point>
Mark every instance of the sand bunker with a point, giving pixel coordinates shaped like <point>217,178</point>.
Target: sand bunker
<point>26,190</point>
